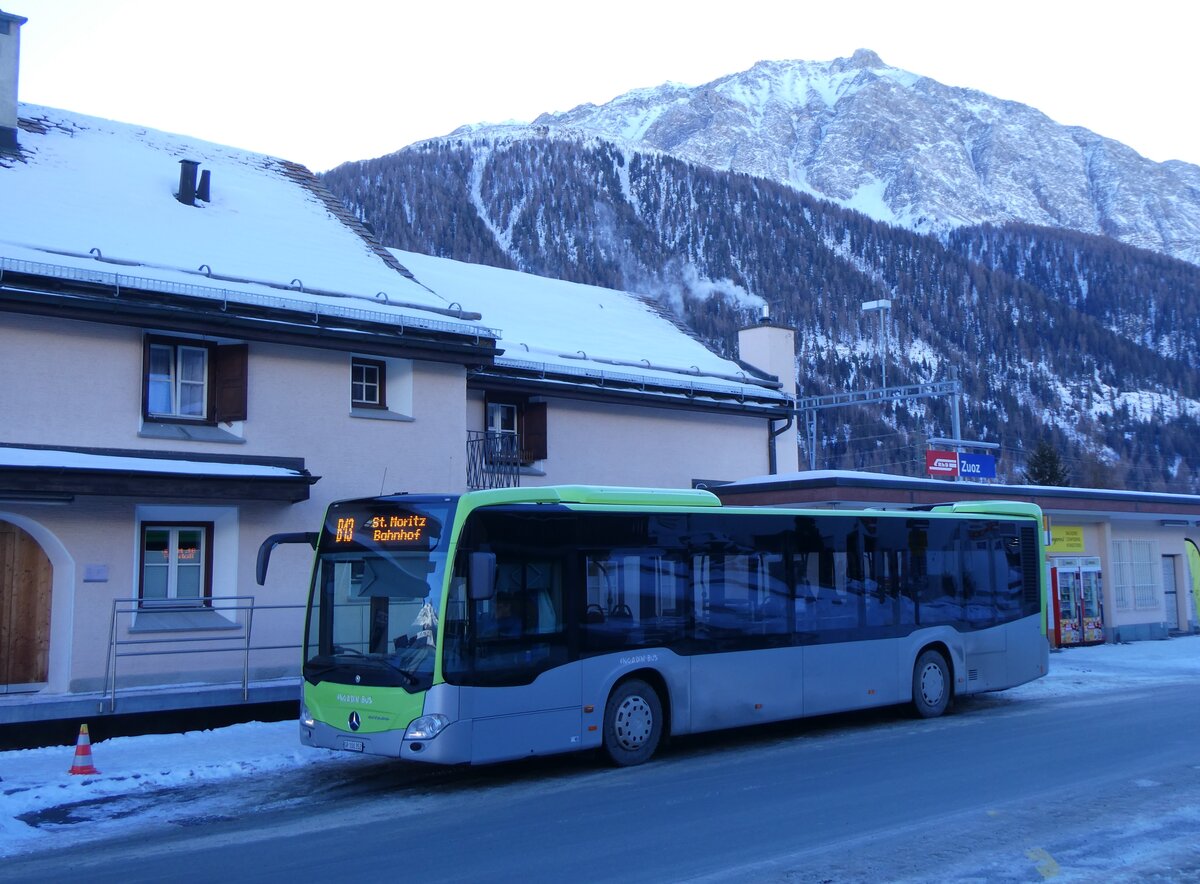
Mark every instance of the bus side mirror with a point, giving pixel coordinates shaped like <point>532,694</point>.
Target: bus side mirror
<point>264,551</point>
<point>481,576</point>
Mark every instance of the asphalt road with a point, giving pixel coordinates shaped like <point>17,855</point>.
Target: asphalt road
<point>1098,787</point>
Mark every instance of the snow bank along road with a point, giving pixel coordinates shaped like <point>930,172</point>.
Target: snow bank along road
<point>167,782</point>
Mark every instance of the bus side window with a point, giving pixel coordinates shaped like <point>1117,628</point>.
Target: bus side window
<point>730,605</point>
<point>877,586</point>
<point>776,597</point>
<point>1010,579</point>
<point>941,598</point>
<point>700,595</point>
<point>620,599</point>
<point>838,599</point>
<point>979,598</point>
<point>806,568</point>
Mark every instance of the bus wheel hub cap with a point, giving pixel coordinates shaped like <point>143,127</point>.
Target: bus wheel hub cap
<point>932,685</point>
<point>634,722</point>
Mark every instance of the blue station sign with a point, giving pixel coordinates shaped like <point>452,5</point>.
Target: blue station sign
<point>977,466</point>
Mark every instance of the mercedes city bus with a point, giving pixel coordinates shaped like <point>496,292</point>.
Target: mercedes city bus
<point>499,624</point>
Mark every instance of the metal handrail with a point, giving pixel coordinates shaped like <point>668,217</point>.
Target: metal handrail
<point>240,643</point>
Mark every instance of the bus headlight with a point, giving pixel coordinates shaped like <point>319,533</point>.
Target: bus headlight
<point>305,718</point>
<point>426,727</point>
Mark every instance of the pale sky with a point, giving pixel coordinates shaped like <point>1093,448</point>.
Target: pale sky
<point>323,83</point>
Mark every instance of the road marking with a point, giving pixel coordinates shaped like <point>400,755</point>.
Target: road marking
<point>1046,865</point>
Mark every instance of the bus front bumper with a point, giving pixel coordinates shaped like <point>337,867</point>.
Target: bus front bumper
<point>451,746</point>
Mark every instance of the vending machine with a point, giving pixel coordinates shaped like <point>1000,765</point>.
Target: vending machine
<point>1080,601</point>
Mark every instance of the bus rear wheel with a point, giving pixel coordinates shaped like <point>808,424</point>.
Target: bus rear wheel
<point>633,723</point>
<point>931,685</point>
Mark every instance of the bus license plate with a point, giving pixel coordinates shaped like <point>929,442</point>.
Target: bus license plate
<point>352,745</point>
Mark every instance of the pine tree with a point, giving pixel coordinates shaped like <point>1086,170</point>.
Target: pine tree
<point>1046,467</point>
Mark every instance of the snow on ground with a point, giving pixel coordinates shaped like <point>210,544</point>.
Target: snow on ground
<point>33,781</point>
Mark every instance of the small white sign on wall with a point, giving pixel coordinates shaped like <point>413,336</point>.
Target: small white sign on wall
<point>95,573</point>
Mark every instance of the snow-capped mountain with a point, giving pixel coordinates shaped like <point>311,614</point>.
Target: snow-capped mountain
<point>901,148</point>
<point>1054,332</point>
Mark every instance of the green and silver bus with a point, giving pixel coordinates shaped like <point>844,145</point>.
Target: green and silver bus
<point>500,624</point>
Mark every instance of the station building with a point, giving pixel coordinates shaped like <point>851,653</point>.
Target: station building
<point>1123,565</point>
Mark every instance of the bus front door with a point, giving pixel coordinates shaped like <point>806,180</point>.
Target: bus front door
<point>524,697</point>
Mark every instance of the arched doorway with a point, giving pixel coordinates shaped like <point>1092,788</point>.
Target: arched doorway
<point>26,578</point>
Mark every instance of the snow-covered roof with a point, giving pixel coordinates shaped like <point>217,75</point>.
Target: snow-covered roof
<point>65,459</point>
<point>92,202</point>
<point>95,199</point>
<point>585,333</point>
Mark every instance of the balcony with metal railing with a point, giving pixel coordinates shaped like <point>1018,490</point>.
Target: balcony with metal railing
<point>493,460</point>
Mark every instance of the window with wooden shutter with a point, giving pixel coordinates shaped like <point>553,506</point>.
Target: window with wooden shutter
<point>175,380</point>
<point>229,382</point>
<point>533,432</point>
<point>193,381</point>
<point>516,426</point>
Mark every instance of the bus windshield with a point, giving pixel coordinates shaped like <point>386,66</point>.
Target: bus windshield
<point>372,615</point>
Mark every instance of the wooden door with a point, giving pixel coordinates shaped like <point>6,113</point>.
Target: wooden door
<point>25,582</point>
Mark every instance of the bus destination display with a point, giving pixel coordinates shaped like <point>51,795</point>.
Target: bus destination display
<point>397,530</point>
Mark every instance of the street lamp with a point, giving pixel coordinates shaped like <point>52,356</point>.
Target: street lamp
<point>883,306</point>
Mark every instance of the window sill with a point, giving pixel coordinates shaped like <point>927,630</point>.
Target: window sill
<point>379,414</point>
<point>185,620</point>
<point>522,471</point>
<point>191,432</point>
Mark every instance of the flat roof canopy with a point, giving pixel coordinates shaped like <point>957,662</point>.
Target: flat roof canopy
<point>51,475</point>
<point>846,487</point>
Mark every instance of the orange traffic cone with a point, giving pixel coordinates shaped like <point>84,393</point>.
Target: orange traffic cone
<point>83,753</point>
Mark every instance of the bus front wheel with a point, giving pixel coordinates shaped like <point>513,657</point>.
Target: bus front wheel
<point>931,685</point>
<point>633,723</point>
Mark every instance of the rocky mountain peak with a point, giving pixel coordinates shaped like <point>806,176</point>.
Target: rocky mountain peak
<point>903,149</point>
<point>862,59</point>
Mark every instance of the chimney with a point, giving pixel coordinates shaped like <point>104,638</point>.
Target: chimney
<point>187,182</point>
<point>772,348</point>
<point>10,58</point>
<point>203,188</point>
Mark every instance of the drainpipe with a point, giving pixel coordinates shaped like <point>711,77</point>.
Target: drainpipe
<point>772,435</point>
